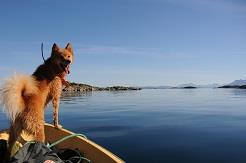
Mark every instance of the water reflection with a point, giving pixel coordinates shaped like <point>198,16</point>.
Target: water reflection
<point>238,93</point>
<point>74,97</point>
<point>75,94</point>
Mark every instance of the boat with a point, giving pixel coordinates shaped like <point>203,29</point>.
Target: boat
<point>92,151</point>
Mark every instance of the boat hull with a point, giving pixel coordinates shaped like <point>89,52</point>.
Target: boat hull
<point>88,148</point>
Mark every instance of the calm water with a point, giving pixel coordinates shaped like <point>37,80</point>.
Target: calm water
<point>161,126</point>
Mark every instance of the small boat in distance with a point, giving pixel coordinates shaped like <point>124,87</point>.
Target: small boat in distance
<point>92,151</point>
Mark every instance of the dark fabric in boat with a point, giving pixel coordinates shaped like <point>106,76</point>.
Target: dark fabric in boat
<point>35,152</point>
<point>3,149</point>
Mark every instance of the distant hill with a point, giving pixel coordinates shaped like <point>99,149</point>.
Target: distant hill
<point>237,83</point>
<point>234,86</point>
<point>241,84</point>
<point>185,86</point>
<point>229,86</point>
<point>215,85</point>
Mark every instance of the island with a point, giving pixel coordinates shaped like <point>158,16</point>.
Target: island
<point>238,84</point>
<point>242,87</point>
<point>234,86</point>
<point>79,87</point>
<point>230,86</point>
<point>189,87</point>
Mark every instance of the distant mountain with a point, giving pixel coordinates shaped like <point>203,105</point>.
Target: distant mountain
<point>215,85</point>
<point>241,84</point>
<point>188,85</point>
<point>237,83</point>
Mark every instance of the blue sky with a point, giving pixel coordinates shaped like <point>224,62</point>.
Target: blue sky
<point>129,42</point>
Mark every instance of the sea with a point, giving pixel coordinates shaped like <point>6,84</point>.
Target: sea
<point>206,125</point>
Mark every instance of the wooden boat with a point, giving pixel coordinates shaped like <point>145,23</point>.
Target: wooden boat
<point>92,151</point>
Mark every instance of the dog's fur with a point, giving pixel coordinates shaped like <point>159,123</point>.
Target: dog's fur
<point>24,97</point>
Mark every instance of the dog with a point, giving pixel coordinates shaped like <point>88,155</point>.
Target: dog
<point>25,97</point>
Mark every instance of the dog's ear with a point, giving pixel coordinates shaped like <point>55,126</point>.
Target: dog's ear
<point>55,47</point>
<point>69,47</point>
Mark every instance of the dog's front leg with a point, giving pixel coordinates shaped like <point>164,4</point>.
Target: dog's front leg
<point>55,103</point>
<point>55,92</point>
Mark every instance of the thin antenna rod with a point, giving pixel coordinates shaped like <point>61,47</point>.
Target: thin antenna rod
<point>42,50</point>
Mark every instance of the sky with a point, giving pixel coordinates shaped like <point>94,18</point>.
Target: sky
<point>128,42</point>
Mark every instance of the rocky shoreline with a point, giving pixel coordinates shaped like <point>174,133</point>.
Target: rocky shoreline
<point>78,87</point>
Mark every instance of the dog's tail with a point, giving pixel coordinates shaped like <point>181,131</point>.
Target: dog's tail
<point>13,91</point>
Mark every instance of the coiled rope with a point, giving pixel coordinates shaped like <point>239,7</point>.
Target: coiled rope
<point>69,137</point>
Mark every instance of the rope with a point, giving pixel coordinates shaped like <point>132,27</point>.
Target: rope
<point>81,158</point>
<point>65,138</point>
<point>69,137</point>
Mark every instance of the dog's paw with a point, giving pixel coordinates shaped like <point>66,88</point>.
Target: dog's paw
<point>57,126</point>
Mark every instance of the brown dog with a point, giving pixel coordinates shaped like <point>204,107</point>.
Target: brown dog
<point>24,97</point>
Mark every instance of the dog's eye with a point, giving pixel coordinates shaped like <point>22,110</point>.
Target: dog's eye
<point>69,56</point>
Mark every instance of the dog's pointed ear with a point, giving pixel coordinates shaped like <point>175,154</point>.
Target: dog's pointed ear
<point>69,47</point>
<point>55,47</point>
